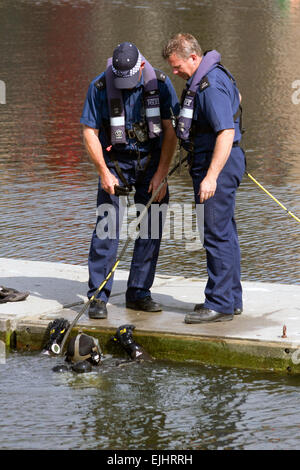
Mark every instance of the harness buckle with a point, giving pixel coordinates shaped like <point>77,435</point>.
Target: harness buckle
<point>141,132</point>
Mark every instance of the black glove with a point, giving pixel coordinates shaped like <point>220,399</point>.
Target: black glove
<point>124,337</point>
<point>56,331</point>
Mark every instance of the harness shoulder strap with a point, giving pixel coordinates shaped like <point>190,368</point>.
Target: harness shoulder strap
<point>77,357</point>
<point>76,347</point>
<point>239,111</point>
<point>205,83</point>
<point>229,75</point>
<point>207,129</point>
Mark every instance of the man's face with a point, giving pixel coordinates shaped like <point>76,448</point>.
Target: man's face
<point>184,68</point>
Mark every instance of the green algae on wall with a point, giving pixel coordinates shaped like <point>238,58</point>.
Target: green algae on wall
<point>257,355</point>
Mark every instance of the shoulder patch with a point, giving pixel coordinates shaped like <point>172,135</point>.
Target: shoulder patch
<point>160,75</point>
<point>204,84</point>
<point>101,83</point>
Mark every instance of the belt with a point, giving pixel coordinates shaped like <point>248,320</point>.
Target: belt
<point>132,153</point>
<point>120,172</point>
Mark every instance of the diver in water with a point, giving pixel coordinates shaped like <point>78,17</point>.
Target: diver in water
<point>84,352</point>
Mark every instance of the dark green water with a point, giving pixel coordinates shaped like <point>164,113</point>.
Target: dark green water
<point>152,406</point>
<point>49,52</point>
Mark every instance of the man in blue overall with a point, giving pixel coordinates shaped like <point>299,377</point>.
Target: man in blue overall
<point>209,127</point>
<point>128,132</point>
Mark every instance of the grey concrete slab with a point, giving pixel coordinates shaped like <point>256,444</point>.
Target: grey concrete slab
<point>52,286</point>
<point>267,308</point>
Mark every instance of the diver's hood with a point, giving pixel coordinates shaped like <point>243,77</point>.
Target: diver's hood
<point>84,347</point>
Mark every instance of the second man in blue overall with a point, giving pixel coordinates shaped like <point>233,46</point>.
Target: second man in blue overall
<point>129,135</point>
<point>209,127</point>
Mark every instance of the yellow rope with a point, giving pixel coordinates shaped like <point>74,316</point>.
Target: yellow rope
<point>274,198</point>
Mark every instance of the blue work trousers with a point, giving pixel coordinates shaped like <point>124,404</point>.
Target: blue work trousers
<point>103,251</point>
<point>223,292</point>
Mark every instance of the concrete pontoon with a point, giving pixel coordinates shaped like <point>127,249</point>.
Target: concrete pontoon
<point>253,340</point>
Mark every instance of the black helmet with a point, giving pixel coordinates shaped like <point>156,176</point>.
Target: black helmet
<point>84,348</point>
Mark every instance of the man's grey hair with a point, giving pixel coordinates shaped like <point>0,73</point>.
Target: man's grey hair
<point>183,45</point>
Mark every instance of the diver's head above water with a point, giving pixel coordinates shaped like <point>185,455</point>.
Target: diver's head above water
<point>84,348</point>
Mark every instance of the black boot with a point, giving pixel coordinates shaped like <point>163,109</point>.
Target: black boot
<point>237,311</point>
<point>147,304</point>
<point>98,309</point>
<point>206,315</point>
